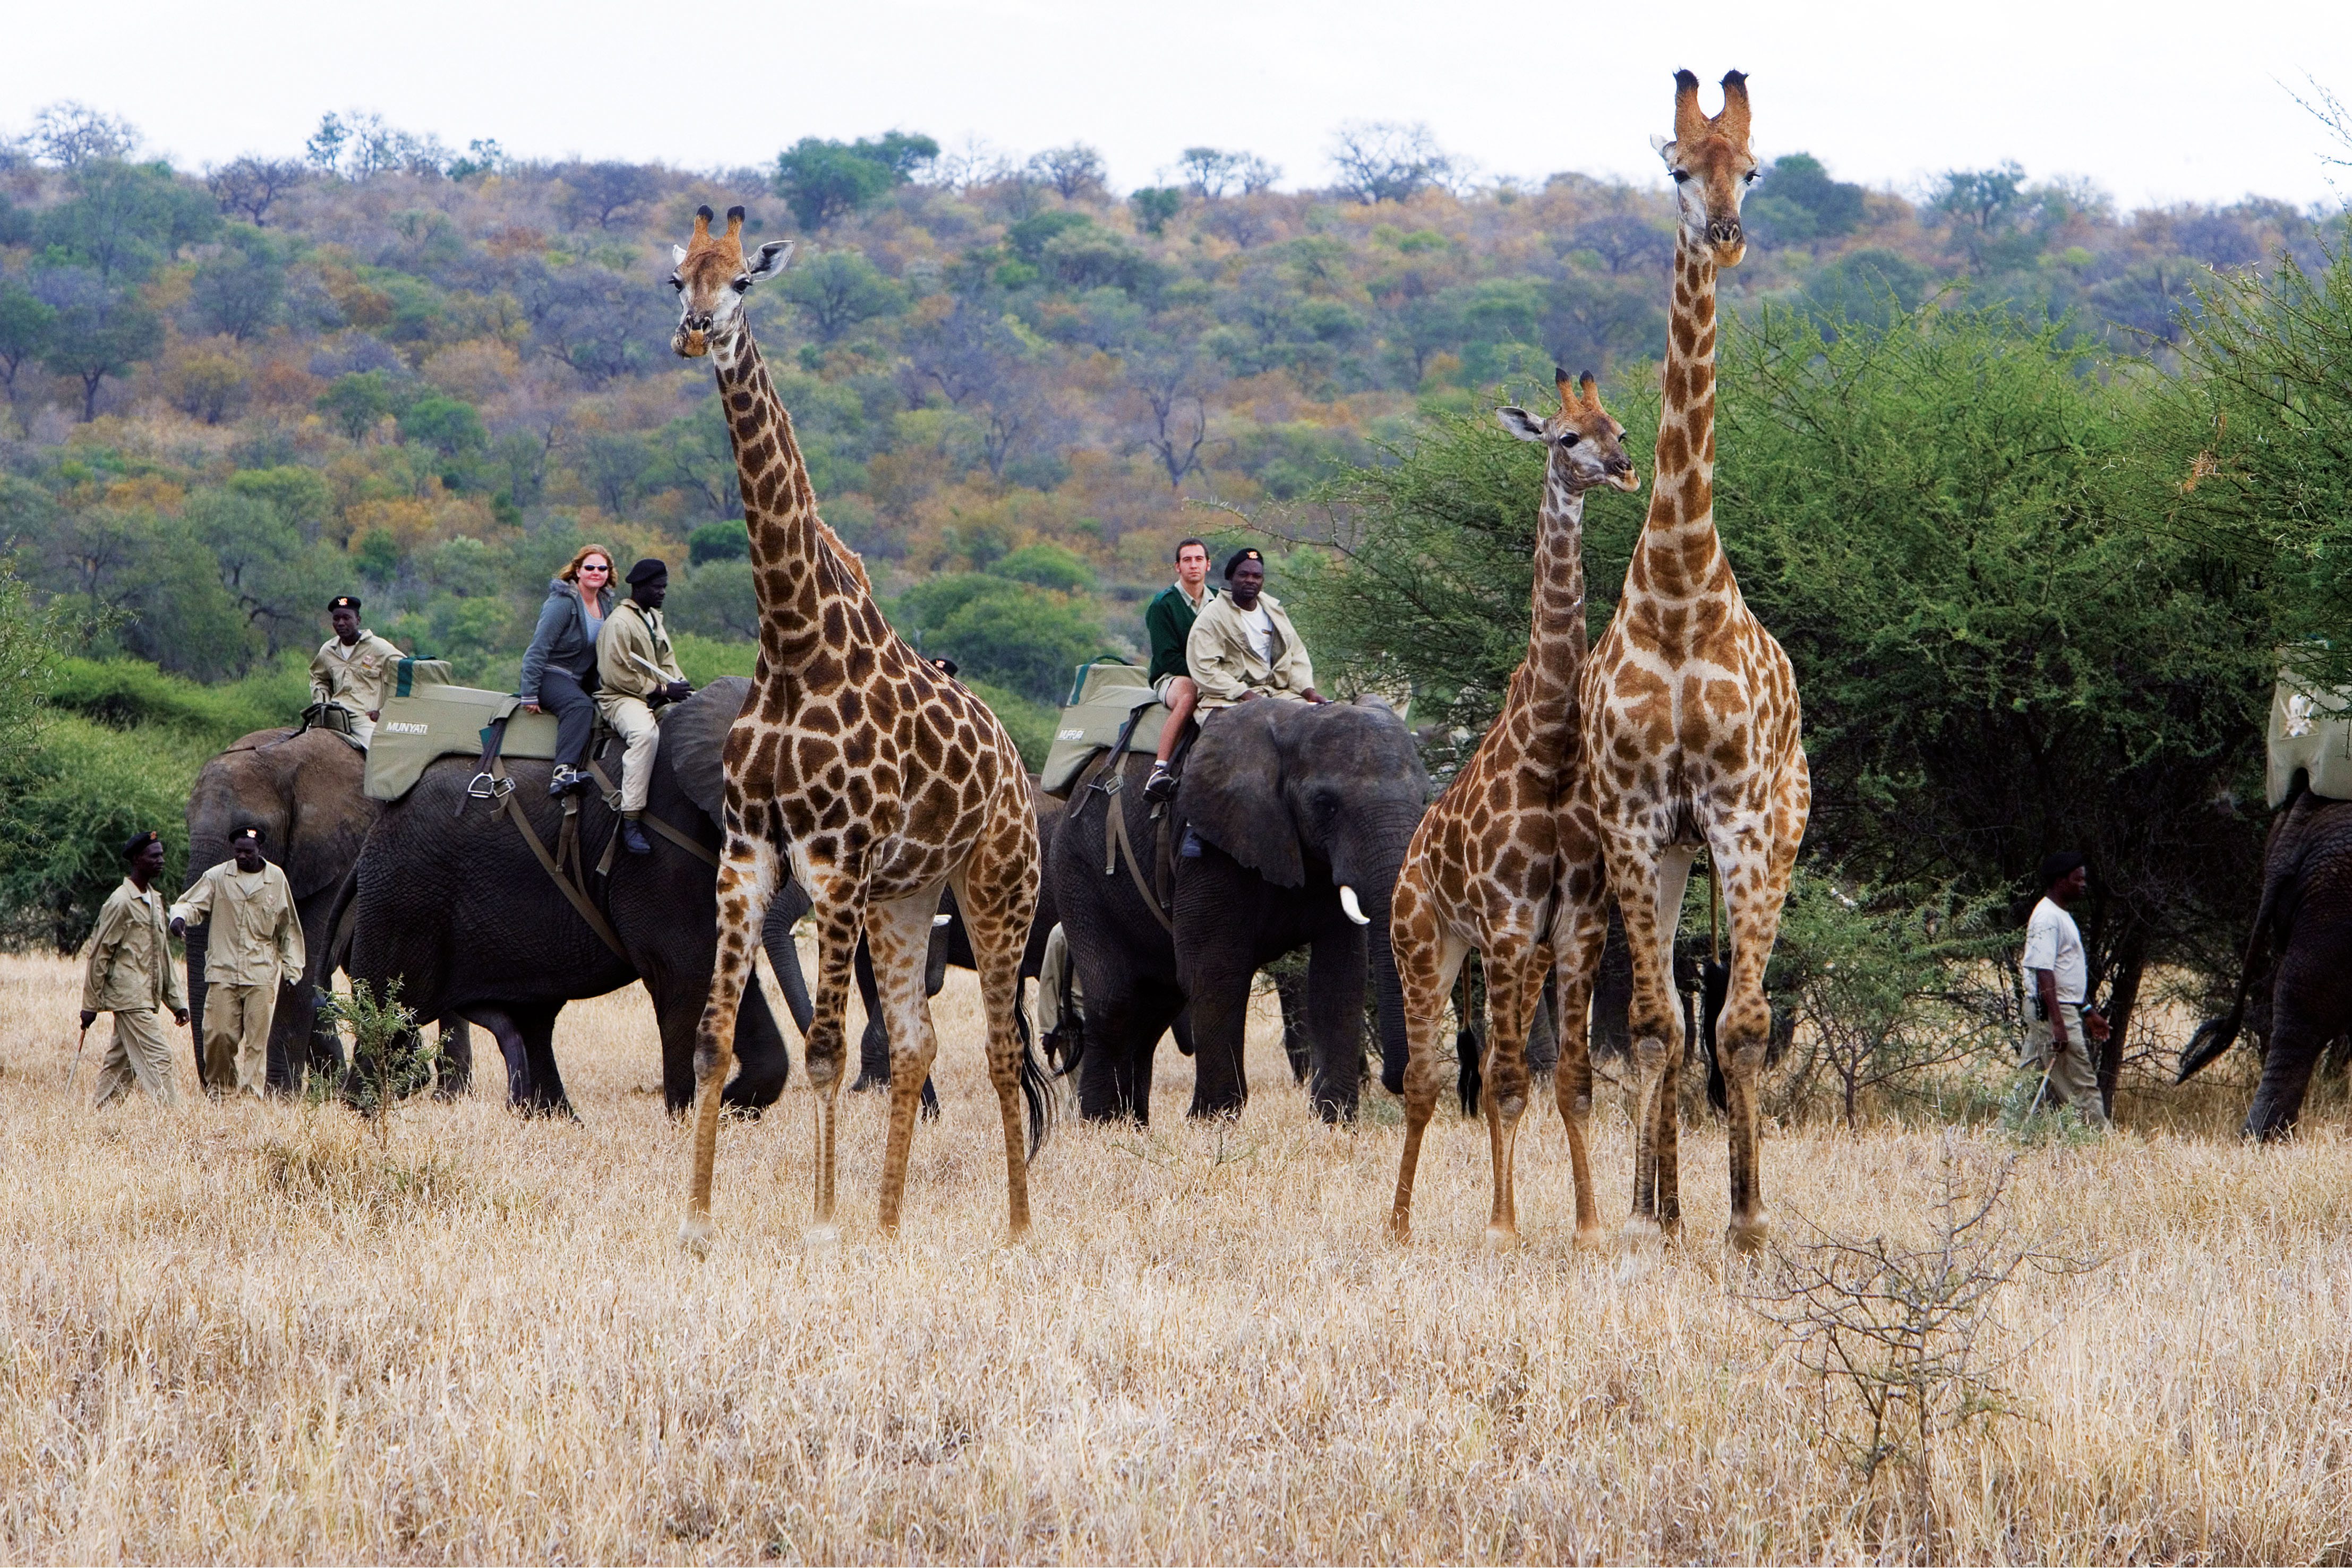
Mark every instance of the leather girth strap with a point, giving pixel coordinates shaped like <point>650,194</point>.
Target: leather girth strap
<point>612,793</point>
<point>570,889</point>
<point>1116,845</point>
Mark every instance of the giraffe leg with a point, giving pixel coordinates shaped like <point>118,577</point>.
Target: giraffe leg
<point>998,894</point>
<point>1579,932</point>
<point>1755,865</point>
<point>1514,981</point>
<point>840,912</point>
<point>897,935</point>
<point>1426,964</point>
<point>1649,898</point>
<point>748,878</point>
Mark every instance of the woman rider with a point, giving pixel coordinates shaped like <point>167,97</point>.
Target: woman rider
<point>560,670</point>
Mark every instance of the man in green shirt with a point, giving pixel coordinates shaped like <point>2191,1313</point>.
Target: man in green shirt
<point>1168,621</point>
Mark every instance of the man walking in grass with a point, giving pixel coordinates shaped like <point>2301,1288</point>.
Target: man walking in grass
<point>2057,980</point>
<point>128,971</point>
<point>256,944</point>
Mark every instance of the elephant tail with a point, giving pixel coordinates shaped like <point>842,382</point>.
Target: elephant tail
<point>1036,1088</point>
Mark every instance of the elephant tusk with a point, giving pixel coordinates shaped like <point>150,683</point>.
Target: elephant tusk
<point>940,920</point>
<point>1354,911</point>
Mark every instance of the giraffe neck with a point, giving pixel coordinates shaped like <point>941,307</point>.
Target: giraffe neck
<point>1545,683</point>
<point>793,572</point>
<point>1679,556</point>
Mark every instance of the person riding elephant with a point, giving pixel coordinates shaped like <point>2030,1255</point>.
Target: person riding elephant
<point>2298,960</point>
<point>451,900</point>
<point>301,789</point>
<point>1286,831</point>
<point>352,671</point>
<point>558,668</point>
<point>637,671</point>
<point>1243,646</point>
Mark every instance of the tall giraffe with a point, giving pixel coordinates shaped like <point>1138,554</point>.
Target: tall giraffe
<point>1485,867</point>
<point>878,776</point>
<point>1691,727</point>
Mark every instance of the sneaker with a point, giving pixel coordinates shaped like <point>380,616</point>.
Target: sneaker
<point>633,839</point>
<point>1160,786</point>
<point>562,779</point>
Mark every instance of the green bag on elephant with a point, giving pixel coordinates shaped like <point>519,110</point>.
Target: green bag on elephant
<point>1105,692</point>
<point>425,718</point>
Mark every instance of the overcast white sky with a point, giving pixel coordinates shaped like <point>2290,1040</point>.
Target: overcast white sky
<point>2156,103</point>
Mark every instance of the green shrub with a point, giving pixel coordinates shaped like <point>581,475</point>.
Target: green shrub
<point>130,694</point>
<point>67,808</point>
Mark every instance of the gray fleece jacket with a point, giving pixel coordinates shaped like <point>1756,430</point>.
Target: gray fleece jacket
<point>562,641</point>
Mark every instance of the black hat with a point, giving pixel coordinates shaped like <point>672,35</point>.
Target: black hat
<point>646,570</point>
<point>2059,866</point>
<point>945,666</point>
<point>244,834</point>
<point>1233,561</point>
<point>139,841</point>
<point>343,601</point>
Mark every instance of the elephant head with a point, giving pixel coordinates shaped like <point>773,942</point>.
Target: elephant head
<point>1296,792</point>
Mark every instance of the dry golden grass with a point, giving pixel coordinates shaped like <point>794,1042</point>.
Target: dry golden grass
<point>245,1332</point>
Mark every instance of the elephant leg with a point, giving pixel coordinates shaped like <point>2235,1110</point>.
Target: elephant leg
<point>454,1072</point>
<point>1426,964</point>
<point>1290,991</point>
<point>547,1095</point>
<point>508,1030</point>
<point>1115,1071</point>
<point>1218,984</point>
<point>1649,896</point>
<point>873,1045</point>
<point>1580,934</point>
<point>1335,1013</point>
<point>896,934</point>
<point>2311,1003</point>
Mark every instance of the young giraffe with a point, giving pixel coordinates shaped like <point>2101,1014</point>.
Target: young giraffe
<point>1691,734</point>
<point>878,776</point>
<point>1485,867</point>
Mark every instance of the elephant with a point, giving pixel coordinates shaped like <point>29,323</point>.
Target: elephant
<point>1287,829</point>
<point>302,789</point>
<point>451,901</point>
<point>2298,950</point>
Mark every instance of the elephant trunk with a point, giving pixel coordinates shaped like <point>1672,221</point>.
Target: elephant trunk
<point>1366,869</point>
<point>197,943</point>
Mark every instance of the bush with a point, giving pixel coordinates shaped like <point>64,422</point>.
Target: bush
<point>66,811</point>
<point>130,694</point>
<point>729,540</point>
<point>1009,633</point>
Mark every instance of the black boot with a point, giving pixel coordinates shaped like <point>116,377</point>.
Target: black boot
<point>633,838</point>
<point>562,779</point>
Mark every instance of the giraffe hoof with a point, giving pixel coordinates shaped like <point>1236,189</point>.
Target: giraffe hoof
<point>1641,1231</point>
<point>1748,1236</point>
<point>1591,1238</point>
<point>1401,1228</point>
<point>1498,1237</point>
<point>695,1234</point>
<point>823,1236</point>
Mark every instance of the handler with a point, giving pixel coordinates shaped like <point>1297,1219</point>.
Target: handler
<point>1243,646</point>
<point>129,973</point>
<point>1169,620</point>
<point>256,943</point>
<point>637,672</point>
<point>352,668</point>
<point>2057,978</point>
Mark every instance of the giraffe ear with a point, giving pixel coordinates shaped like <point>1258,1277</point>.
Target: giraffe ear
<point>772,259</point>
<point>1658,144</point>
<point>1521,422</point>
<point>678,256</point>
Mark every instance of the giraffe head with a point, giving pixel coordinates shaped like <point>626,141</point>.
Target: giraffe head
<point>711,278</point>
<point>1588,444</point>
<point>1712,167</point>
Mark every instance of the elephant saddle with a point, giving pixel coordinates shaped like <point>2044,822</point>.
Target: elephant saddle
<point>1105,697</point>
<point>424,718</point>
<point>2311,734</point>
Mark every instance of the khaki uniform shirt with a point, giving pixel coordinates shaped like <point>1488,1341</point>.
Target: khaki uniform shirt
<point>257,936</point>
<point>633,637</point>
<point>1225,665</point>
<point>358,677</point>
<point>130,964</point>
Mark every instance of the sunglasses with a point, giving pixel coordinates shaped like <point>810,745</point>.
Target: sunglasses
<point>595,569</point>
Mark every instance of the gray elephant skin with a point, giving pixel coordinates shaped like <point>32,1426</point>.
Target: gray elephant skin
<point>302,790</point>
<point>450,901</point>
<point>1288,802</point>
<point>2298,959</point>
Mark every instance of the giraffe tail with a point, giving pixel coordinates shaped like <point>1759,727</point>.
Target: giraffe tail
<point>1036,1088</point>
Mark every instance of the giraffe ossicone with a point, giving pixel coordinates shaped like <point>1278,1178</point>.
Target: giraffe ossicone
<point>880,780</point>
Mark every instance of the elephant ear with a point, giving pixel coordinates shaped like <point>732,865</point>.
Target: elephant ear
<point>326,817</point>
<point>1232,792</point>
<point>693,741</point>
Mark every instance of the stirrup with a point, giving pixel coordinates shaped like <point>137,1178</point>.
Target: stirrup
<point>488,785</point>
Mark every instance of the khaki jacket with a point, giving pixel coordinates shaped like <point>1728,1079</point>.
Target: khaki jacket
<point>128,962</point>
<point>1225,665</point>
<point>357,678</point>
<point>257,936</point>
<point>632,633</point>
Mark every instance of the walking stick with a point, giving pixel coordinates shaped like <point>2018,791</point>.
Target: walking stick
<point>80,1041</point>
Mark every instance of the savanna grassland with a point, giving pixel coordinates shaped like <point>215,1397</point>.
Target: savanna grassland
<point>252,1331</point>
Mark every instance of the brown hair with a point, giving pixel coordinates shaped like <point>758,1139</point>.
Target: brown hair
<point>571,572</point>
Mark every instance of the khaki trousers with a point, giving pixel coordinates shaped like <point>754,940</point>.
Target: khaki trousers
<point>634,722</point>
<point>140,1056</point>
<point>237,1037</point>
<point>2074,1079</point>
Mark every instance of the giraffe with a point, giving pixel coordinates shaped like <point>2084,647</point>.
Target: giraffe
<point>1691,730</point>
<point>1485,867</point>
<point>879,777</point>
